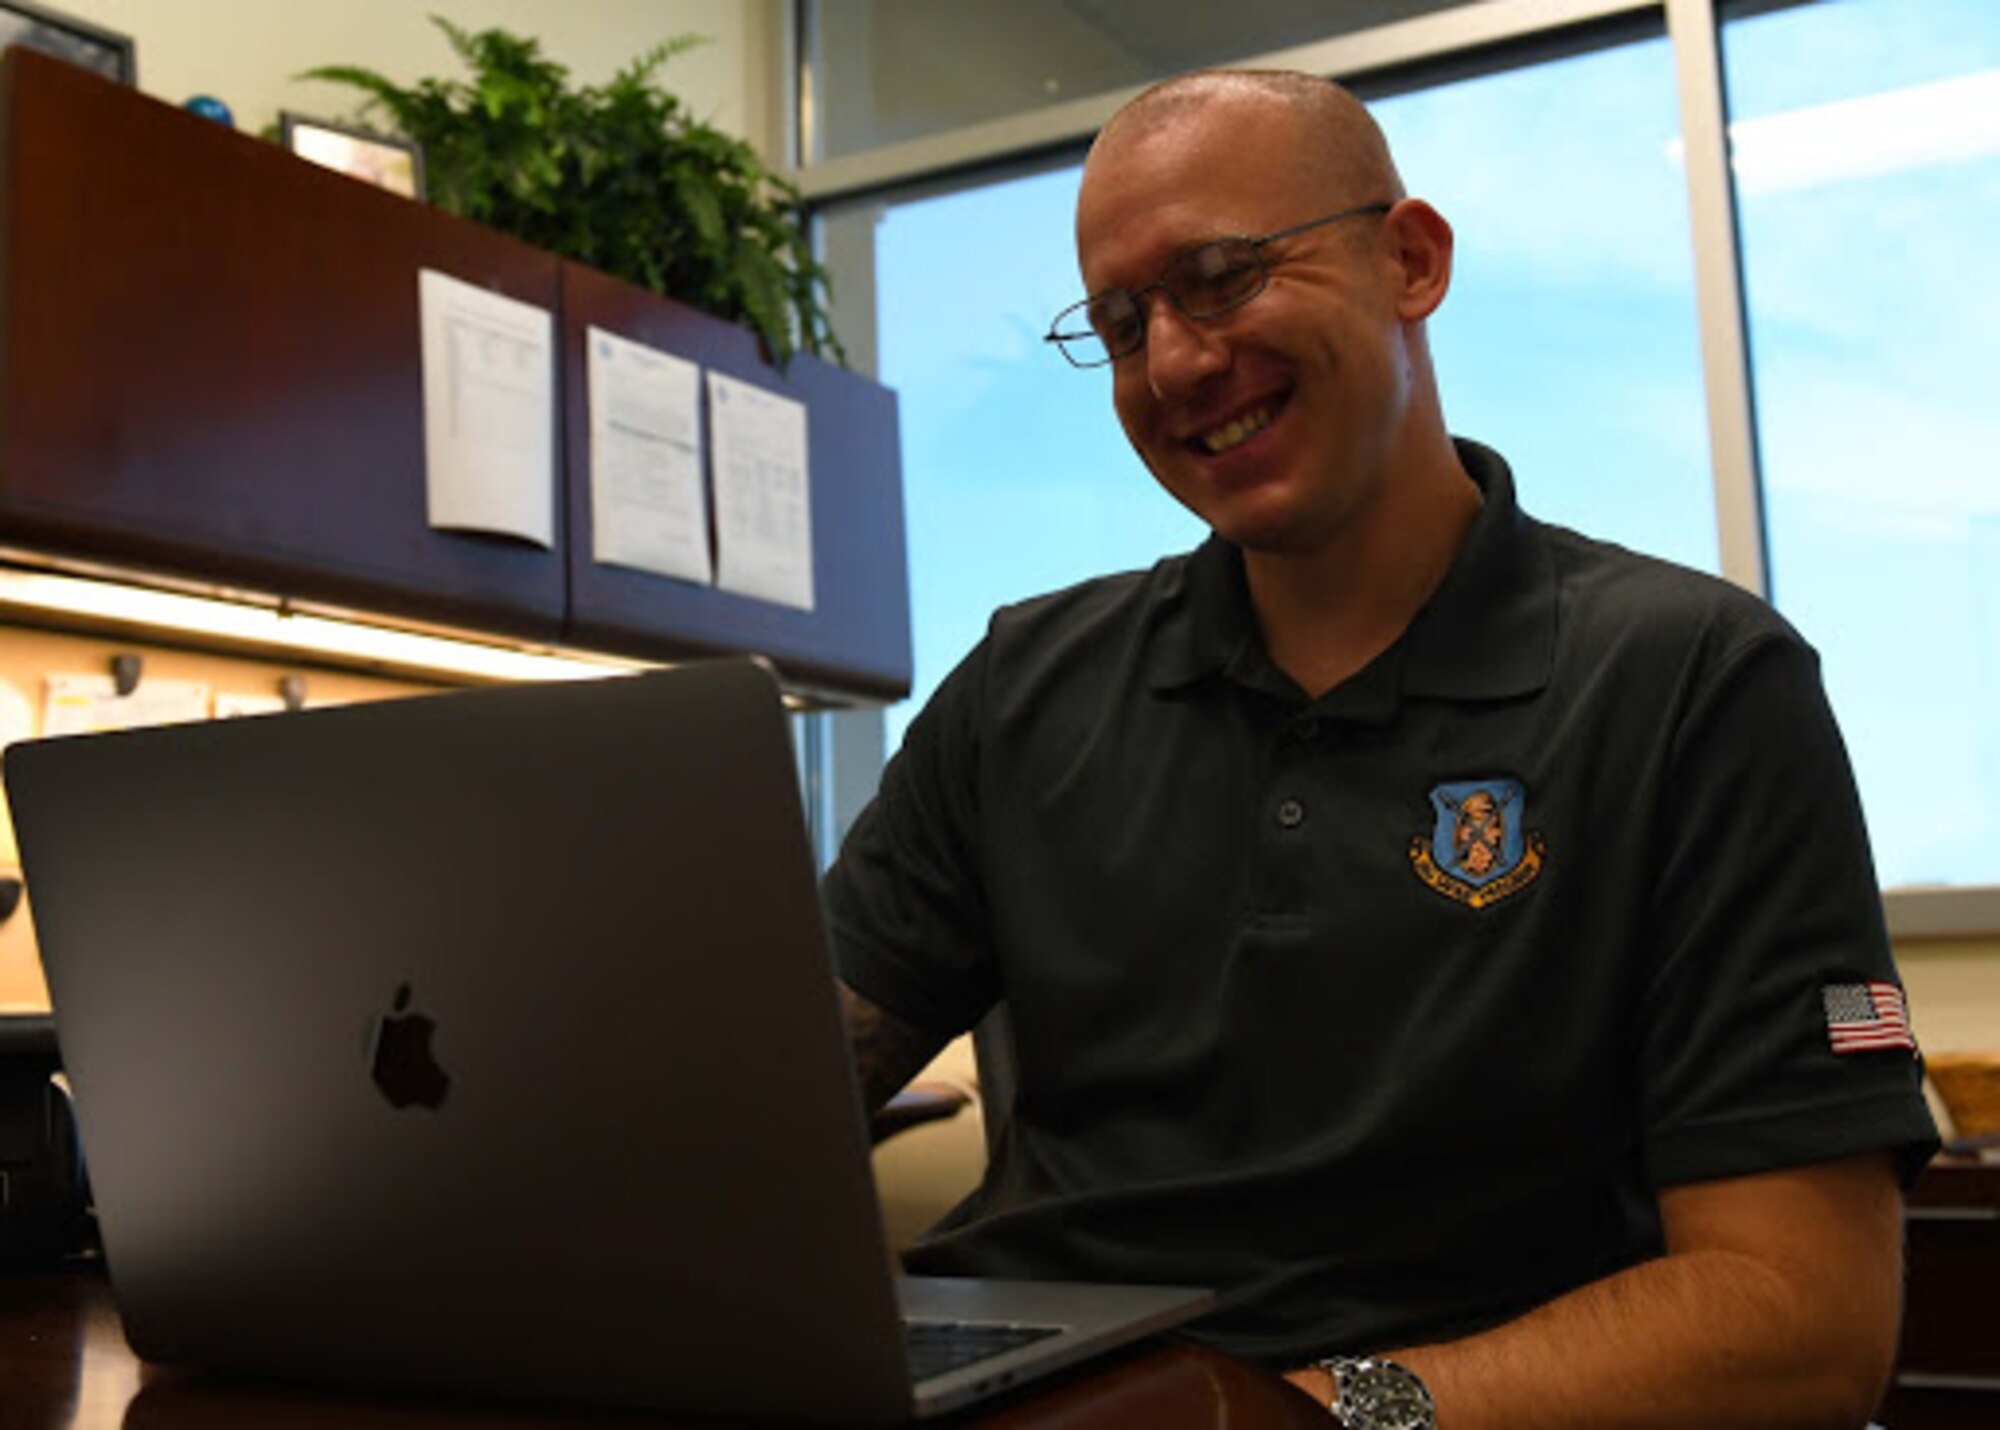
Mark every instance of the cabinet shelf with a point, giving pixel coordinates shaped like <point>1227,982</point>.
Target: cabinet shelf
<point>211,371</point>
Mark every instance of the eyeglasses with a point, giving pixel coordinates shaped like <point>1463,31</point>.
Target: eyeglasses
<point>1202,283</point>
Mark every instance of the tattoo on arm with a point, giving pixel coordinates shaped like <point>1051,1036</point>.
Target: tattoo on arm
<point>887,1051</point>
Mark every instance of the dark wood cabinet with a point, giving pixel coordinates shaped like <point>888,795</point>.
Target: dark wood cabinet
<point>856,637</point>
<point>1948,1372</point>
<point>211,362</point>
<point>211,371</point>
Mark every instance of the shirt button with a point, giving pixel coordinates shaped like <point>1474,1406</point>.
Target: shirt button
<point>1291,814</point>
<point>1308,729</point>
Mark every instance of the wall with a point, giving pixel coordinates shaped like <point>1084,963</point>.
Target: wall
<point>246,54</point>
<point>29,655</point>
<point>1954,991</point>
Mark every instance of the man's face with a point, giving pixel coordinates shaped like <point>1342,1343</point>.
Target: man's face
<point>1274,422</point>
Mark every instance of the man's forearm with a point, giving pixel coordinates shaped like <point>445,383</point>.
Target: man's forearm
<point>1786,1317</point>
<point>887,1051</point>
<point>1708,1339</point>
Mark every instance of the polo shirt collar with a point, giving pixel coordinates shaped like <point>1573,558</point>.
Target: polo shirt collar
<point>1205,623</point>
<point>1487,633</point>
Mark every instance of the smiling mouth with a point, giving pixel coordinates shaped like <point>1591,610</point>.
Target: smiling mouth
<point>1235,432</point>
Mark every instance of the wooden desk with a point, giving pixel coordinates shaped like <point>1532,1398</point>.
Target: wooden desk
<point>64,1365</point>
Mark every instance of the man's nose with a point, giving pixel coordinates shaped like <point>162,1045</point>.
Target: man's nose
<point>1181,352</point>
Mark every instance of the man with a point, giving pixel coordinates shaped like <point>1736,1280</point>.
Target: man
<point>1452,938</point>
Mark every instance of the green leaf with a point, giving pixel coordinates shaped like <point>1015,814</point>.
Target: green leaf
<point>619,176</point>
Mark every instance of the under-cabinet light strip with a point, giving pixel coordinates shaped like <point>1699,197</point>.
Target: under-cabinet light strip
<point>306,633</point>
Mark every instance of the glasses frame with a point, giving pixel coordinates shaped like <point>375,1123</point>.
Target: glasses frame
<point>1081,308</point>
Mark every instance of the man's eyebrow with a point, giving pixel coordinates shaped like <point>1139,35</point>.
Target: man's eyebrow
<point>1160,272</point>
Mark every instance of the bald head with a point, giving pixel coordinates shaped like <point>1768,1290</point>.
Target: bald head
<point>1299,408</point>
<point>1340,149</point>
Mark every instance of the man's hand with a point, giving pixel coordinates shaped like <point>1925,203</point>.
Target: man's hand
<point>887,1051</point>
<point>1777,1304</point>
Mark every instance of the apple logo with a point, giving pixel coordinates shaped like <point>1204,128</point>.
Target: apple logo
<point>401,1062</point>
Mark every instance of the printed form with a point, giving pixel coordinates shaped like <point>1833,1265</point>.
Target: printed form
<point>763,493</point>
<point>489,410</point>
<point>647,506</point>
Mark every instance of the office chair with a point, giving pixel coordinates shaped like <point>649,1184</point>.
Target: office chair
<point>44,1195</point>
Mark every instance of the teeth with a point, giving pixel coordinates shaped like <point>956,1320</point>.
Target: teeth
<point>1235,433</point>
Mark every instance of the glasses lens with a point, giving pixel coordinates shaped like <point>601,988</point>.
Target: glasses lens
<point>1202,282</point>
<point>1118,321</point>
<point>1215,277</point>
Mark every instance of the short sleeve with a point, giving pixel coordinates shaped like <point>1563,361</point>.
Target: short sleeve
<point>1766,899</point>
<point>905,901</point>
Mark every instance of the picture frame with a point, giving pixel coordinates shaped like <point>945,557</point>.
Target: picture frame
<point>379,159</point>
<point>87,46</point>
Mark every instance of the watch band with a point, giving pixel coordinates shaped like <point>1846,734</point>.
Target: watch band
<point>1376,1393</point>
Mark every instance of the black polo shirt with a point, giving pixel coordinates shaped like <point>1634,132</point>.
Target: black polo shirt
<point>1384,1013</point>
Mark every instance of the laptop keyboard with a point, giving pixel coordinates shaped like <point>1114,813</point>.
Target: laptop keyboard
<point>938,1346</point>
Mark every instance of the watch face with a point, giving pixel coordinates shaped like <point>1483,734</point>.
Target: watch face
<point>1381,1395</point>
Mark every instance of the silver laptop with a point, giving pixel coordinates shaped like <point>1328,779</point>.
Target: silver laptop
<point>488,1042</point>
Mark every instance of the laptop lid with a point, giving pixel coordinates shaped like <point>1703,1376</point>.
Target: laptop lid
<point>483,1041</point>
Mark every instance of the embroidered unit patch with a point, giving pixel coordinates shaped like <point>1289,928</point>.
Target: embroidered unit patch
<point>1866,1017</point>
<point>1479,850</point>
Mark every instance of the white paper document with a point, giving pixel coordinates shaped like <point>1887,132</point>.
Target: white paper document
<point>647,506</point>
<point>489,410</point>
<point>85,704</point>
<point>763,493</point>
<point>235,705</point>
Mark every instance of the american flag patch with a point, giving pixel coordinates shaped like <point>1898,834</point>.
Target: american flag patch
<point>1866,1017</point>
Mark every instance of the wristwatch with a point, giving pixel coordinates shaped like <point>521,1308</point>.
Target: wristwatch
<point>1375,1393</point>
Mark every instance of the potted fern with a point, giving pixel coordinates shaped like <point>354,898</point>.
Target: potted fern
<point>621,177</point>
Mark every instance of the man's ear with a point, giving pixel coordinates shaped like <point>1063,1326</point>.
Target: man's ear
<point>1420,240</point>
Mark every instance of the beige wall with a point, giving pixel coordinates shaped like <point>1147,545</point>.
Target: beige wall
<point>1954,991</point>
<point>245,52</point>
<point>28,656</point>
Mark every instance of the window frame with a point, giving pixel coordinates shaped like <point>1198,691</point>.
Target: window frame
<point>1401,55</point>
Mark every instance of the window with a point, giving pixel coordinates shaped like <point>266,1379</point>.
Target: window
<point>890,70</point>
<point>1866,144</point>
<point>1569,340</point>
<point>1864,172</point>
<point>1016,477</point>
